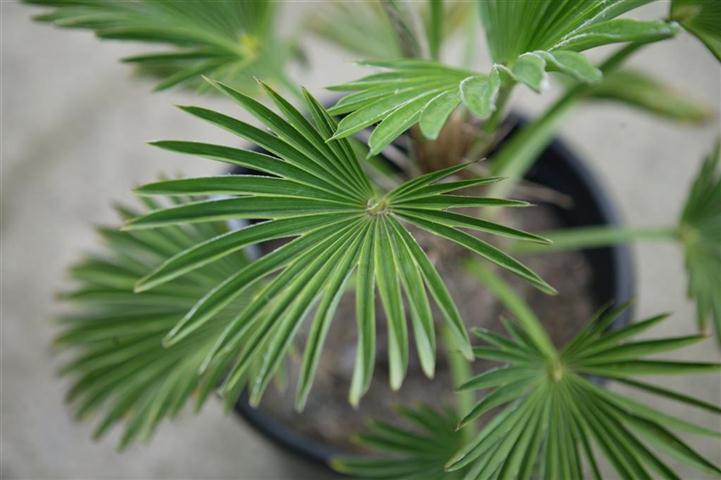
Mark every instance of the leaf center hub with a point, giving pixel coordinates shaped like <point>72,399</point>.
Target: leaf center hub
<point>377,206</point>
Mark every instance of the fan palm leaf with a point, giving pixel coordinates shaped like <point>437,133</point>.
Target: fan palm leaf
<point>114,336</point>
<point>552,415</point>
<point>418,450</point>
<point>315,193</point>
<point>700,232</point>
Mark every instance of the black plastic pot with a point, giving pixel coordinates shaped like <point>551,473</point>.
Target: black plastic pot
<point>559,169</point>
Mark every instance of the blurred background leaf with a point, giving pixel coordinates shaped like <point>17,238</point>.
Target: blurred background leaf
<point>644,92</point>
<point>700,232</point>
<point>230,40</point>
<point>118,365</point>
<point>419,449</point>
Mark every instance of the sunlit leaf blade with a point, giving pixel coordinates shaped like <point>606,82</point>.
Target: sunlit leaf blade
<point>335,225</point>
<point>572,416</point>
<point>119,368</point>
<point>232,40</point>
<point>647,93</point>
<point>701,18</point>
<point>418,449</point>
<point>700,231</point>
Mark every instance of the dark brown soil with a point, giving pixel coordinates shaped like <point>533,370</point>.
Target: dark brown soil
<point>330,419</point>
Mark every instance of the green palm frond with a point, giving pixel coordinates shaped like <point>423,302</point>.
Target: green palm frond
<point>232,40</point>
<point>419,451</point>
<point>315,194</point>
<point>526,37</point>
<point>701,18</point>
<point>700,231</point>
<point>118,364</point>
<point>554,419</point>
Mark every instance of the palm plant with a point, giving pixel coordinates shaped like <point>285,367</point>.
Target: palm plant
<point>175,306</point>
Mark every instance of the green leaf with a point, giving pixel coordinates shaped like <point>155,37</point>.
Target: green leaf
<point>526,38</point>
<point>496,377</point>
<point>701,18</point>
<point>670,394</point>
<point>238,185</point>
<point>573,64</point>
<point>397,122</point>
<point>479,94</point>
<point>419,449</point>
<point>236,208</point>
<point>319,330</point>
<point>499,396</point>
<point>452,219</point>
<point>654,415</point>
<point>340,253</point>
<point>436,112</point>
<point>434,27</point>
<point>226,244</point>
<point>380,108</point>
<point>365,318</point>
<point>482,248</point>
<point>433,190</point>
<point>233,40</point>
<point>635,349</point>
<point>529,69</point>
<point>419,184</point>
<point>362,28</point>
<point>646,93</point>
<point>438,290</point>
<point>551,25</point>
<point>400,95</point>
<point>336,225</point>
<point>669,443</point>
<point>118,366</point>
<point>700,232</point>
<point>553,413</point>
<point>649,367</point>
<point>415,291</point>
<point>389,289</point>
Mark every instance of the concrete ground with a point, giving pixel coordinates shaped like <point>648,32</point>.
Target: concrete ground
<point>74,127</point>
